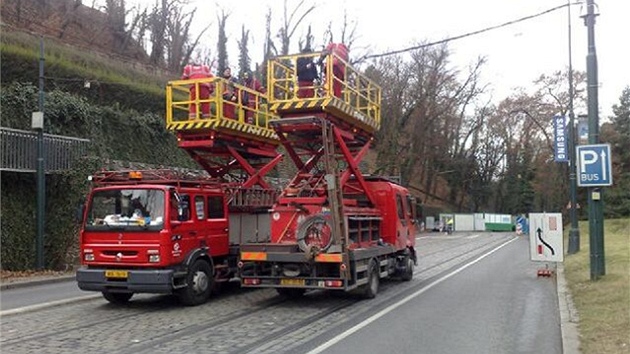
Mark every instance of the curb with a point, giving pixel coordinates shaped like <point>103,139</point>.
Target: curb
<point>568,315</point>
<point>36,307</point>
<point>35,282</point>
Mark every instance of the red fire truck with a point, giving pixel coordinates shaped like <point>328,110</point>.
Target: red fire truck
<point>164,231</point>
<point>332,227</point>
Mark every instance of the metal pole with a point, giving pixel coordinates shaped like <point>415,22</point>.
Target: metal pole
<point>41,180</point>
<point>574,232</point>
<point>595,195</point>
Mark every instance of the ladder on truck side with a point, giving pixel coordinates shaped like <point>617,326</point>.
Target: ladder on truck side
<point>234,143</point>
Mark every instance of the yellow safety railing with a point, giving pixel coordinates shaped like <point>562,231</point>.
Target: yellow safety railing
<point>226,101</point>
<point>356,89</point>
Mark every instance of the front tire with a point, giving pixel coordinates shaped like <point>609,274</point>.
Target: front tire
<point>117,298</point>
<point>199,284</point>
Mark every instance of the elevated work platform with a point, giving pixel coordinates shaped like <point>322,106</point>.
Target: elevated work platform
<point>230,110</point>
<point>225,127</point>
<point>352,100</point>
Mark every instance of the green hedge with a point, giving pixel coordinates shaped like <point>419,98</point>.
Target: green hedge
<point>115,133</point>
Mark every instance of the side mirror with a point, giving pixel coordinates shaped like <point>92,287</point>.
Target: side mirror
<point>182,211</point>
<point>78,217</point>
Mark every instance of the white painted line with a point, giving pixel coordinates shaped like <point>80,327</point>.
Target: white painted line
<point>441,237</point>
<point>390,308</point>
<point>473,236</point>
<point>48,304</point>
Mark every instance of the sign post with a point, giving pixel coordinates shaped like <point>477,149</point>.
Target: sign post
<point>594,170</point>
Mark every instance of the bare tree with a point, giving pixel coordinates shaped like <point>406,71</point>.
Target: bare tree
<point>181,47</point>
<point>158,25</point>
<point>244,62</point>
<point>269,49</point>
<point>428,135</point>
<point>222,59</point>
<point>290,23</point>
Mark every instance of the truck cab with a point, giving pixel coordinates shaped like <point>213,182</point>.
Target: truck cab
<point>165,238</point>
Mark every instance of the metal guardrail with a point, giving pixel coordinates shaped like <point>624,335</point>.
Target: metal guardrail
<point>19,151</point>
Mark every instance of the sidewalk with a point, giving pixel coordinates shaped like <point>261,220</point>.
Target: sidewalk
<point>568,315</point>
<point>26,281</point>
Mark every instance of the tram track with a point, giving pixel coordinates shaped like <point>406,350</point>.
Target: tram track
<point>269,320</point>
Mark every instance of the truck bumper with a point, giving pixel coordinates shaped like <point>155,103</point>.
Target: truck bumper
<point>158,281</point>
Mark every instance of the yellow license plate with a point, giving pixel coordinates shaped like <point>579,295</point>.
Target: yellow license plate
<point>292,282</point>
<point>120,274</point>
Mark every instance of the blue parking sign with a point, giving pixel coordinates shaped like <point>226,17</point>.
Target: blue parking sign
<point>594,167</point>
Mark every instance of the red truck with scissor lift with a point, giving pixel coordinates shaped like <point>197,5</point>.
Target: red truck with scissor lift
<point>332,227</point>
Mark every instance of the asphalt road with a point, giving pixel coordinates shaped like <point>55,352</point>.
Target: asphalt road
<point>471,293</point>
<point>496,305</point>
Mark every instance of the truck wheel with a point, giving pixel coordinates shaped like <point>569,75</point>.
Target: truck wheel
<point>408,273</point>
<point>371,288</point>
<point>291,293</point>
<point>199,282</point>
<point>117,298</point>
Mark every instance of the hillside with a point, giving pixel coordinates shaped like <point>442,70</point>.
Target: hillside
<point>74,24</point>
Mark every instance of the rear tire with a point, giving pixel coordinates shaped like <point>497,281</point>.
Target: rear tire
<point>291,293</point>
<point>408,273</point>
<point>199,284</point>
<point>371,288</point>
<point>117,298</point>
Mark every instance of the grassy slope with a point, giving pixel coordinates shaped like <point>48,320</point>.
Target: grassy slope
<point>69,66</point>
<point>603,305</point>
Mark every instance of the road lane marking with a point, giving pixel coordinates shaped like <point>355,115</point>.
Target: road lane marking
<point>440,237</point>
<point>338,338</point>
<point>473,236</point>
<point>47,304</point>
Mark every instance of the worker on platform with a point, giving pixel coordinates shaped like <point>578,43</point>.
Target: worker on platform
<point>230,94</point>
<point>197,70</point>
<point>339,53</point>
<point>306,74</point>
<point>250,101</point>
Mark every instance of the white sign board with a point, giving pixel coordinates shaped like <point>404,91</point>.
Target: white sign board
<point>545,237</point>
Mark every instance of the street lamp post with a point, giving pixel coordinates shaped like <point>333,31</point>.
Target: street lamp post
<point>38,123</point>
<point>595,194</point>
<point>574,232</point>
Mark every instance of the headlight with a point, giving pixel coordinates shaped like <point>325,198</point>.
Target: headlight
<point>154,256</point>
<point>88,257</point>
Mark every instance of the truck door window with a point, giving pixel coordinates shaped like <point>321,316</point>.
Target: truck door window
<point>215,207</point>
<point>400,208</point>
<point>200,207</point>
<point>184,205</point>
<point>410,208</point>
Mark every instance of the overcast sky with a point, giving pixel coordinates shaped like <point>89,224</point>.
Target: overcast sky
<point>516,54</point>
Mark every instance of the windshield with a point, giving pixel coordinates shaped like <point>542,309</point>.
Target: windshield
<point>126,208</point>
